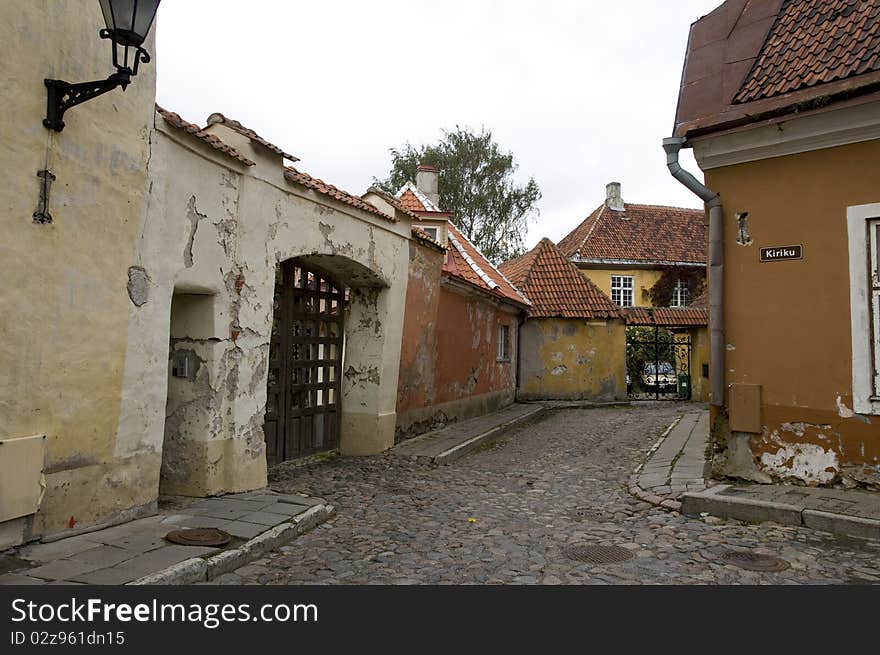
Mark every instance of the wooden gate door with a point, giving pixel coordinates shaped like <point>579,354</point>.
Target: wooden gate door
<point>305,364</point>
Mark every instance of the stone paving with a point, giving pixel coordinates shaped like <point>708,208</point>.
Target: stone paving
<point>133,550</point>
<point>505,513</point>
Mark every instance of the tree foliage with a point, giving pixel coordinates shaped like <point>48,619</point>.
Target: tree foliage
<point>477,184</point>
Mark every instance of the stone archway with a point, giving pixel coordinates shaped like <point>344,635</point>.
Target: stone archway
<point>333,359</point>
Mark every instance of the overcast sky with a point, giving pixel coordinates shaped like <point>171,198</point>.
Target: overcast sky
<point>582,92</point>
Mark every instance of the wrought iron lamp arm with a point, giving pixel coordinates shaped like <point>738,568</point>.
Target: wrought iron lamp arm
<point>64,95</point>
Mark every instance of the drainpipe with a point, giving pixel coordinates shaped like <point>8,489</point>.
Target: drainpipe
<point>672,146</point>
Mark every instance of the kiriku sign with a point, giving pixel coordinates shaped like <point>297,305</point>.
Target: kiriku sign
<point>782,253</point>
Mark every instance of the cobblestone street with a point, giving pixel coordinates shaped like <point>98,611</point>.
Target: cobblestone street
<point>506,513</point>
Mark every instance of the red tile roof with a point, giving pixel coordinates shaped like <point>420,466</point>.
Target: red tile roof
<point>211,139</point>
<point>667,316</point>
<point>813,43</point>
<point>306,180</point>
<point>753,60</point>
<point>391,200</point>
<point>640,233</point>
<point>555,286</point>
<point>411,202</point>
<point>422,236</point>
<point>249,133</point>
<point>465,262</point>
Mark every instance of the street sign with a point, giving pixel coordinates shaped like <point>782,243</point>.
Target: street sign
<point>782,253</point>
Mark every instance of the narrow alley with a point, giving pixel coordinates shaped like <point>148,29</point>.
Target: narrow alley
<point>510,513</point>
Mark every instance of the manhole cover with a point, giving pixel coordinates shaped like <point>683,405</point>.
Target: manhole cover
<point>597,554</point>
<point>755,561</point>
<point>199,537</point>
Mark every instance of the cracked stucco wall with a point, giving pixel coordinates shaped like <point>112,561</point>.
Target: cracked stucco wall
<point>788,323</point>
<point>564,358</point>
<point>64,295</point>
<point>449,367</point>
<point>216,231</point>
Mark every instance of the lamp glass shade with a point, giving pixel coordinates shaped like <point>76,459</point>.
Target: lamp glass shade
<point>129,21</point>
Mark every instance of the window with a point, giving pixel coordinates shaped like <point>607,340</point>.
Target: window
<point>431,232</point>
<point>503,343</point>
<point>681,294</point>
<point>622,290</point>
<point>863,230</point>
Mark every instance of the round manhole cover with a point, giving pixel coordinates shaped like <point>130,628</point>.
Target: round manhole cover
<point>755,561</point>
<point>597,554</point>
<point>199,537</point>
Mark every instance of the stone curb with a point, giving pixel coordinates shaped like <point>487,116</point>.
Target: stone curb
<point>462,449</point>
<point>756,511</point>
<point>669,502</point>
<point>198,569</point>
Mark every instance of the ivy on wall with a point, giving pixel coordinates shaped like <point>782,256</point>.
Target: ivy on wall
<point>661,292</point>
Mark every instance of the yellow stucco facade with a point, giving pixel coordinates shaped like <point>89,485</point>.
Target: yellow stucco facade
<point>568,358</point>
<point>64,301</point>
<point>643,280</point>
<point>788,325</point>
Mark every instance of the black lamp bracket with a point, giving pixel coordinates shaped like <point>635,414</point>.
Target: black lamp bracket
<point>64,95</point>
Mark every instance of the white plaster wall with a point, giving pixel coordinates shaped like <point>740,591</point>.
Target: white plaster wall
<point>242,221</point>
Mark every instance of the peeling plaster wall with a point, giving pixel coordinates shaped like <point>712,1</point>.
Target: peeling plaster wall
<point>417,385</point>
<point>64,298</point>
<point>787,324</point>
<point>449,368</point>
<point>216,230</point>
<point>564,358</point>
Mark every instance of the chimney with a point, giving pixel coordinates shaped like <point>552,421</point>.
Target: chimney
<point>612,197</point>
<point>427,182</point>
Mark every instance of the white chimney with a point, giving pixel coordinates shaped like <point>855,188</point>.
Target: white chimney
<point>612,197</point>
<point>427,181</point>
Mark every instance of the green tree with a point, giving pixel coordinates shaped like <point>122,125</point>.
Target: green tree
<point>477,184</point>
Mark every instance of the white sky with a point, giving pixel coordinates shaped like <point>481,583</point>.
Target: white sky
<point>581,92</point>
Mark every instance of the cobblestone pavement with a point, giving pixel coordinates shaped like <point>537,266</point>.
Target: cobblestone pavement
<point>504,514</point>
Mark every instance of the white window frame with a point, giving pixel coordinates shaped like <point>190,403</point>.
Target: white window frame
<point>433,232</point>
<point>503,349</point>
<point>863,221</point>
<point>619,285</point>
<point>681,294</point>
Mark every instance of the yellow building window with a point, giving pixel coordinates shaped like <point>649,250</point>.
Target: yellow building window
<point>622,290</point>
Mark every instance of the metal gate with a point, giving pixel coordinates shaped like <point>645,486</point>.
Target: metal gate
<point>305,364</point>
<point>658,363</point>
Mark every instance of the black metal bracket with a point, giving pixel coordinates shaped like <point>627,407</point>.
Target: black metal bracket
<point>64,95</point>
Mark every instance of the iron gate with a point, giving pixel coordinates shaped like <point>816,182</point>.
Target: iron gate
<point>305,364</point>
<point>658,363</point>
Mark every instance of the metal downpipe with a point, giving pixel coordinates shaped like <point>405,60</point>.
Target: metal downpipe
<point>712,200</point>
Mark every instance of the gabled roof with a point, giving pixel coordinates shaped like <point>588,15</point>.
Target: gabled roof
<point>465,262</point>
<point>414,200</point>
<point>217,117</point>
<point>556,287</point>
<point>750,60</point>
<point>639,234</point>
<point>211,139</point>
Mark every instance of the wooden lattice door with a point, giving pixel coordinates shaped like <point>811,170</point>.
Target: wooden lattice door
<point>305,364</point>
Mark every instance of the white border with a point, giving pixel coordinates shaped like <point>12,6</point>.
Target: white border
<point>860,313</point>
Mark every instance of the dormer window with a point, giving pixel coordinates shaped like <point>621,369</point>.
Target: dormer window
<point>431,232</point>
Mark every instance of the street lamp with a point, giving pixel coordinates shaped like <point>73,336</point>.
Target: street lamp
<point>128,23</point>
